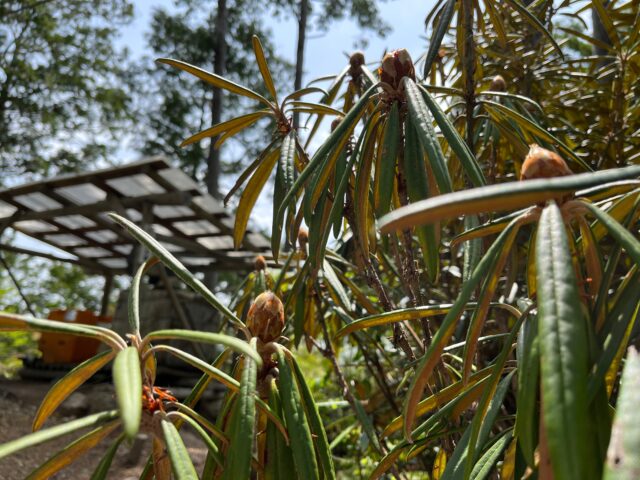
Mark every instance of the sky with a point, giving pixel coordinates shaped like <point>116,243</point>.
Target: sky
<point>406,18</point>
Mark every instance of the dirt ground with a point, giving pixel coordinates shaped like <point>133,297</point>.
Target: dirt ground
<point>18,404</point>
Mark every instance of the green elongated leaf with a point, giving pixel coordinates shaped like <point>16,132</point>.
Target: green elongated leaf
<point>623,314</point>
<point>489,228</point>
<point>490,404</point>
<point>532,127</point>
<point>317,108</point>
<point>302,92</point>
<point>605,18</point>
<point>133,303</point>
<point>415,173</point>
<point>264,67</point>
<point>176,266</point>
<point>442,397</point>
<point>563,351</point>
<point>326,100</point>
<point>304,456</point>
<point>438,34</point>
<point>68,384</point>
<point>388,318</point>
<point>41,436</point>
<point>181,464</point>
<point>532,20</point>
<point>338,207</point>
<point>243,419</point>
<point>457,144</point>
<point>484,465</point>
<point>526,428</point>
<point>618,232</point>
<point>215,80</point>
<point>497,198</point>
<point>212,448</point>
<point>286,166</point>
<point>72,452</point>
<point>102,470</point>
<point>511,96</point>
<point>233,343</point>
<point>241,122</point>
<point>10,322</point>
<point>344,128</point>
<point>432,355</point>
<point>623,462</point>
<point>279,459</point>
<point>315,422</point>
<point>127,380</point>
<point>203,366</point>
<point>388,160</point>
<point>250,195</point>
<point>421,120</point>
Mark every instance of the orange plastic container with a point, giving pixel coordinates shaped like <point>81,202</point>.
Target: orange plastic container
<point>64,348</point>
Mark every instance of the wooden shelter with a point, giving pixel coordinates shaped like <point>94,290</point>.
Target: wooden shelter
<point>69,213</point>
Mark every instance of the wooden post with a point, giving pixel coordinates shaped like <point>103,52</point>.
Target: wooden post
<point>108,286</point>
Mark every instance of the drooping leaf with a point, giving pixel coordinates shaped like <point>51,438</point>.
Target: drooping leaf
<point>233,343</point>
<point>68,384</point>
<point>54,432</point>
<point>497,198</point>
<point>127,380</point>
<point>215,80</point>
<point>72,452</point>
<point>250,195</point>
<point>10,322</point>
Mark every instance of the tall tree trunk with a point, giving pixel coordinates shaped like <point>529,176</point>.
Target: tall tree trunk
<point>220,58</point>
<point>302,36</point>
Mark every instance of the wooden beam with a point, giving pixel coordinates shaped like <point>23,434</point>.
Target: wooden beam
<point>89,265</point>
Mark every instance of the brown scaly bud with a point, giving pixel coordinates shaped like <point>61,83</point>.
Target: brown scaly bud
<point>356,60</point>
<point>395,65</point>
<point>260,263</point>
<point>498,84</point>
<point>265,319</point>
<point>303,237</point>
<point>543,163</point>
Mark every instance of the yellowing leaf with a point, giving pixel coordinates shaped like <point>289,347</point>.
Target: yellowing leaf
<point>264,67</point>
<point>250,195</point>
<point>439,464</point>
<point>68,384</point>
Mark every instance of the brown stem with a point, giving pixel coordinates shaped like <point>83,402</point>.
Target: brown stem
<point>469,68</point>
